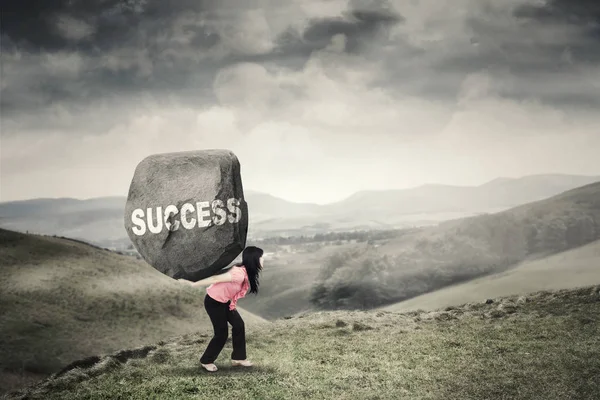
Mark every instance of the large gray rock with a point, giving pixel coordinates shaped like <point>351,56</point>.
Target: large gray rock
<point>186,213</point>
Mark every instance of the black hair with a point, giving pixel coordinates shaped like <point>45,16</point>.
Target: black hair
<point>251,261</point>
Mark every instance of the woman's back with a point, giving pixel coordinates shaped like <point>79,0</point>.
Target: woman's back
<point>225,291</point>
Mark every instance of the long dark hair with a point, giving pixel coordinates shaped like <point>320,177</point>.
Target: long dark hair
<point>251,261</point>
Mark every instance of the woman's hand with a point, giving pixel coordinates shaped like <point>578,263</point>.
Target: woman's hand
<point>185,281</point>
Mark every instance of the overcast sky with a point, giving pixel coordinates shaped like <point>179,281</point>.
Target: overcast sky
<point>318,99</point>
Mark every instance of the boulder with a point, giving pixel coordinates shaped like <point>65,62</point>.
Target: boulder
<point>186,214</point>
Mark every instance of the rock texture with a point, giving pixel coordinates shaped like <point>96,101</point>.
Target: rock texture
<point>186,213</point>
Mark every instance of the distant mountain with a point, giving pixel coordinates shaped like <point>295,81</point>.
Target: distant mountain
<point>499,193</point>
<point>419,206</point>
<point>263,205</point>
<point>100,220</point>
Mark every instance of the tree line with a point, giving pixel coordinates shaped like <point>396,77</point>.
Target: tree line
<point>358,236</point>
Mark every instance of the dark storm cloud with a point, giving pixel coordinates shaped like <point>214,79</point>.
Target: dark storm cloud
<point>547,52</point>
<point>152,47</point>
<point>577,46</point>
<point>72,53</point>
<point>580,15</point>
<point>358,26</point>
<point>119,47</point>
<point>362,28</point>
<point>578,12</point>
<point>35,25</point>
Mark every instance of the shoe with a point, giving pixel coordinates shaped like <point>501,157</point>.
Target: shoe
<point>209,367</point>
<point>243,363</point>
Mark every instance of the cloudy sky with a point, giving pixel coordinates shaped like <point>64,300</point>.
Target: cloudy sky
<point>318,99</point>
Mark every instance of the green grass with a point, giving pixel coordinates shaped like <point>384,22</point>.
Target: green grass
<point>545,346</point>
<point>63,300</point>
<point>66,301</point>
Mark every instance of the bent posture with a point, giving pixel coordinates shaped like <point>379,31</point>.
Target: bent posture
<point>220,304</point>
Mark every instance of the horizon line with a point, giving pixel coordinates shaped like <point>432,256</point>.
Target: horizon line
<point>334,202</point>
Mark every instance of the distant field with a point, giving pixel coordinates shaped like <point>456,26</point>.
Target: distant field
<point>62,300</point>
<point>570,269</point>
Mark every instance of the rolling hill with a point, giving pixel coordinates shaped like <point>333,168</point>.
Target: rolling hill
<point>419,261</point>
<point>458,251</point>
<point>64,300</point>
<point>567,270</point>
<point>544,346</point>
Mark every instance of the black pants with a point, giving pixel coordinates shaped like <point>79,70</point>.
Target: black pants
<point>220,314</point>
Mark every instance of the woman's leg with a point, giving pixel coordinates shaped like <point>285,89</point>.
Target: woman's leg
<point>238,335</point>
<point>218,316</point>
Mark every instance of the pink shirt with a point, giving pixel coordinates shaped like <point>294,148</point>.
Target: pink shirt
<point>234,290</point>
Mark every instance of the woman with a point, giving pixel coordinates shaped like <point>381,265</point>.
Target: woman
<point>220,302</point>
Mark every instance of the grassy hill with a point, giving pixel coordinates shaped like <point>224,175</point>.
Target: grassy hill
<point>569,269</point>
<point>543,346</point>
<point>63,300</point>
<point>458,251</point>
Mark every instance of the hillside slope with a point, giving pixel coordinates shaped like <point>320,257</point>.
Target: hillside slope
<point>545,346</point>
<point>458,251</point>
<point>570,269</point>
<point>62,300</point>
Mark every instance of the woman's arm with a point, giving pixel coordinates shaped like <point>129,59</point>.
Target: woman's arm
<point>226,277</point>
